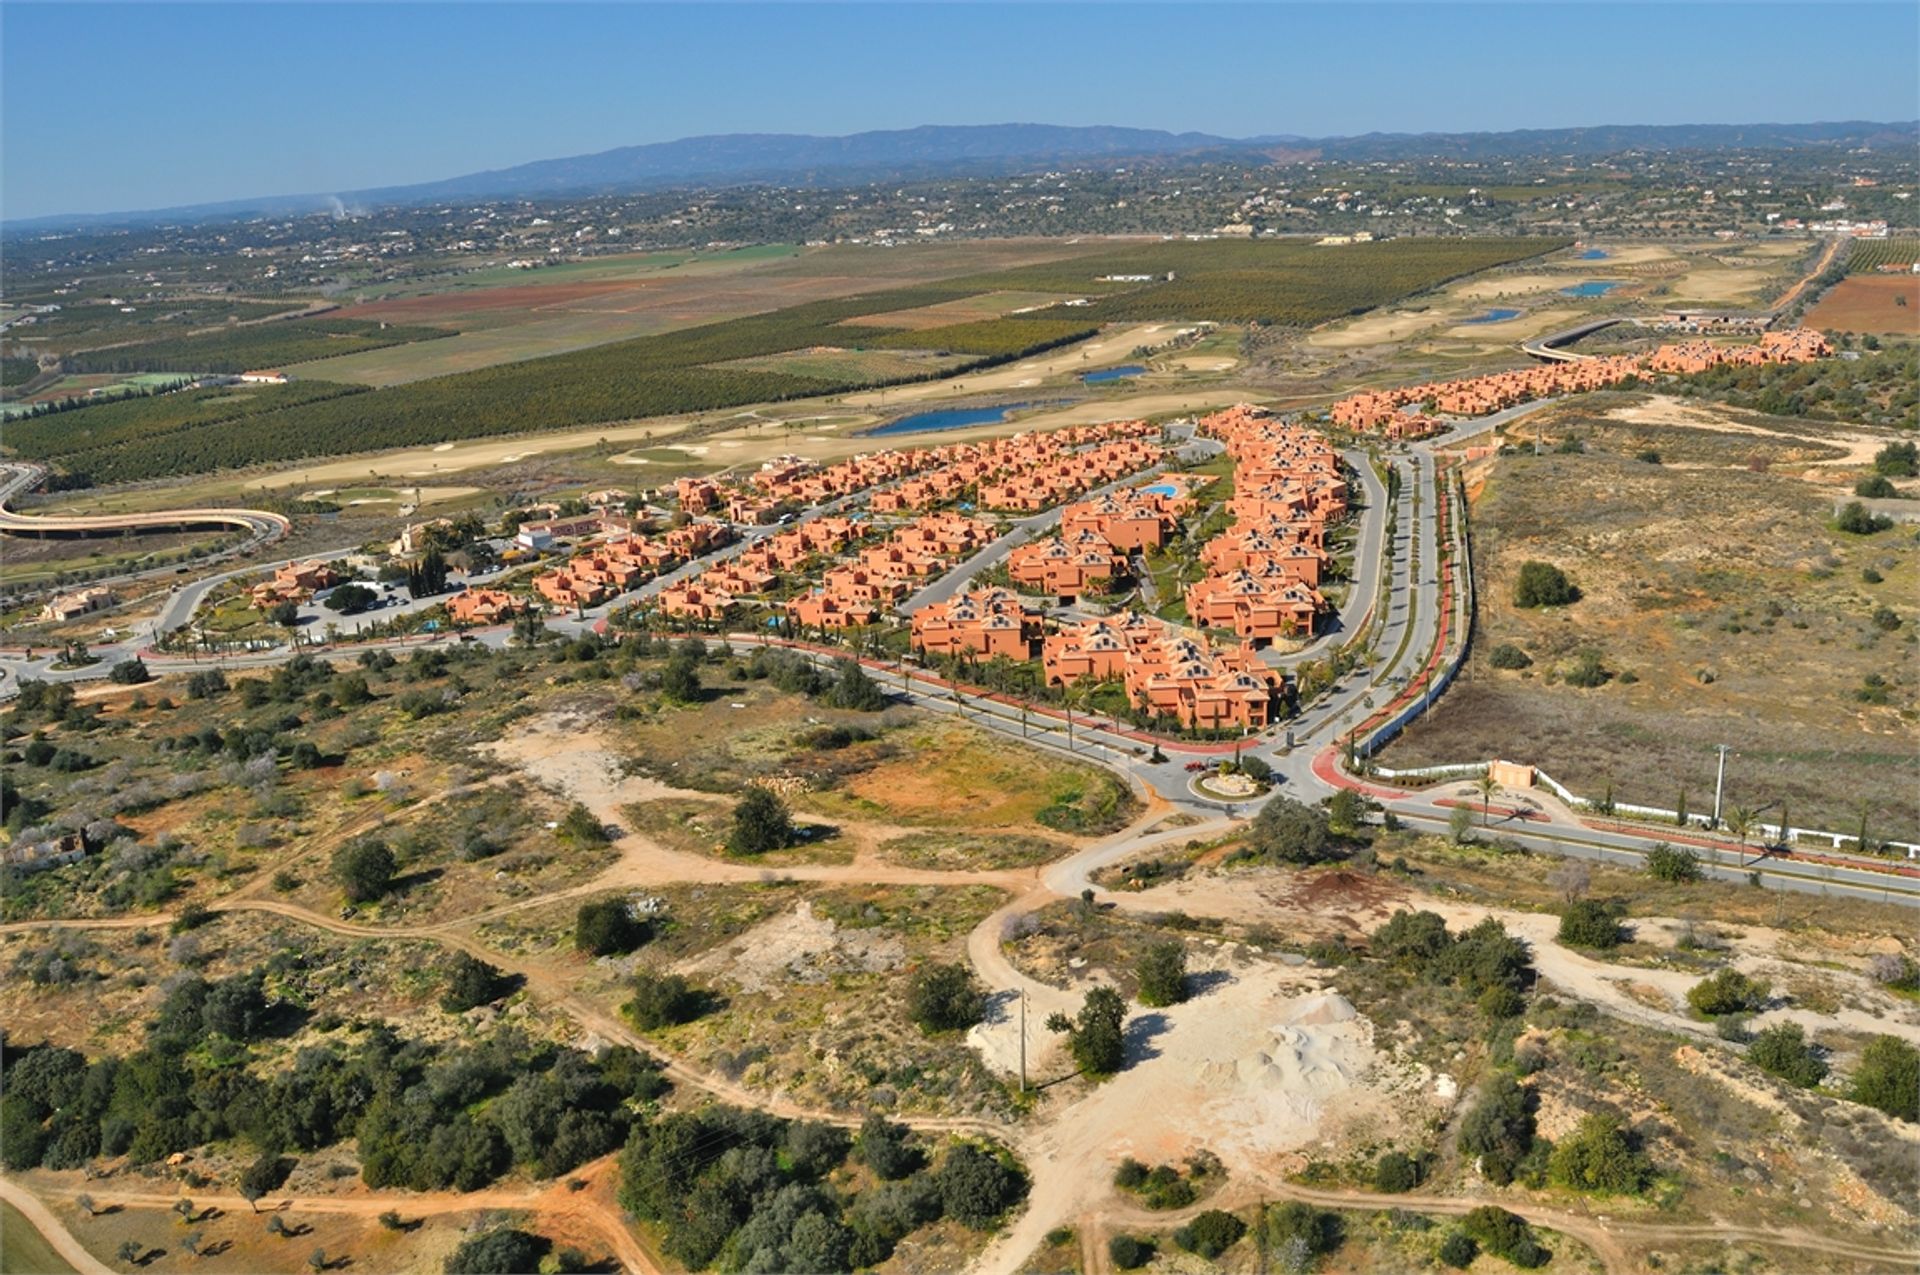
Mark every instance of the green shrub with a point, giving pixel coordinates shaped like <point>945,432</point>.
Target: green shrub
<point>977,1187</point>
<point>1128,1253</point>
<point>1897,460</point>
<point>364,869</point>
<point>1541,584</point>
<point>1499,1128</point>
<point>1600,1157</point>
<point>1783,1050</point>
<point>945,998</point>
<point>608,927</point>
<point>1458,1250</point>
<point>1094,1036</point>
<point>1875,487</point>
<point>1505,1235</point>
<point>1317,1231</point>
<point>1888,1077</point>
<point>1586,671</point>
<point>1590,923</point>
<point>1728,991</point>
<point>506,1251</point>
<point>1211,1233</point>
<point>471,982</point>
<point>1856,521</point>
<point>1395,1172</point>
<point>1162,971</point>
<point>1509,656</point>
<point>582,827</point>
<point>663,1000</point>
<point>1673,863</point>
<point>760,823</point>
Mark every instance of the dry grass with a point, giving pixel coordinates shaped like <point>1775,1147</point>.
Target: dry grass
<point>1727,610</point>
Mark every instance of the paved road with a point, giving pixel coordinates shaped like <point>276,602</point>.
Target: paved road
<point>1399,647</point>
<point>260,526</point>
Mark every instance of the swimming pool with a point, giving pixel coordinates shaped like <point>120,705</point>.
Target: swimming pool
<point>1162,489</point>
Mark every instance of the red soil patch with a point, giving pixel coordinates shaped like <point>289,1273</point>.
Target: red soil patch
<point>1353,901</point>
<point>1870,303</point>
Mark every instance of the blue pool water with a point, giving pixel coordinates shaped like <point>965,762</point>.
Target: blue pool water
<point>1591,288</point>
<point>1162,489</point>
<point>1593,254</point>
<point>1496,316</point>
<point>1113,373</point>
<point>949,418</point>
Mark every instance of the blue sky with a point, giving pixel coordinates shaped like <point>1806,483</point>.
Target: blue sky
<point>111,107</point>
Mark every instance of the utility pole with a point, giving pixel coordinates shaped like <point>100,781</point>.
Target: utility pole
<point>1023,1040</point>
<point>1720,782</point>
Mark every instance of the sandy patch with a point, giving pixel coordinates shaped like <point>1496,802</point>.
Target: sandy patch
<point>1858,448</point>
<point>1263,1065</point>
<point>799,947</point>
<point>565,752</point>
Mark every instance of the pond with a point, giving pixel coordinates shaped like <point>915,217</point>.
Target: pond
<point>1113,374</point>
<point>1592,288</point>
<point>1495,316</point>
<point>949,418</point>
<point>1593,254</point>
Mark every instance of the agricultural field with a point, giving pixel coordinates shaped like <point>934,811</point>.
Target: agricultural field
<point>1866,256</point>
<point>988,305</point>
<point>1721,605</point>
<point>504,316</point>
<point>1886,305</point>
<point>97,440</point>
<point>675,372</point>
<point>855,366</point>
<point>263,345</point>
<point>88,323</point>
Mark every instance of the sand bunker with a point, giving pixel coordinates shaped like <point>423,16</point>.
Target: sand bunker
<point>798,947</point>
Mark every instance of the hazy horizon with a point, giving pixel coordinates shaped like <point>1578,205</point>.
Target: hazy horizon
<point>214,119</point>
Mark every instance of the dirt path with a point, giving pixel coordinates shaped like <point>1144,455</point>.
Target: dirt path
<point>52,1229</point>
<point>1792,294</point>
<point>1615,1243</point>
<point>591,1211</point>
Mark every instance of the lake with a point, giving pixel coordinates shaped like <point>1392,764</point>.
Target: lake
<point>1591,288</point>
<point>949,418</point>
<point>1495,316</point>
<point>1113,374</point>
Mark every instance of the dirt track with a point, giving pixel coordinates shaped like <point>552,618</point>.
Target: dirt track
<point>1162,1107</point>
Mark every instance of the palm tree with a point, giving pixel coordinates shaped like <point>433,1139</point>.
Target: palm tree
<point>1488,787</point>
<point>1741,821</point>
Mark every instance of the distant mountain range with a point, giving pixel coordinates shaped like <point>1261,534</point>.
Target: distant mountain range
<point>936,150</point>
